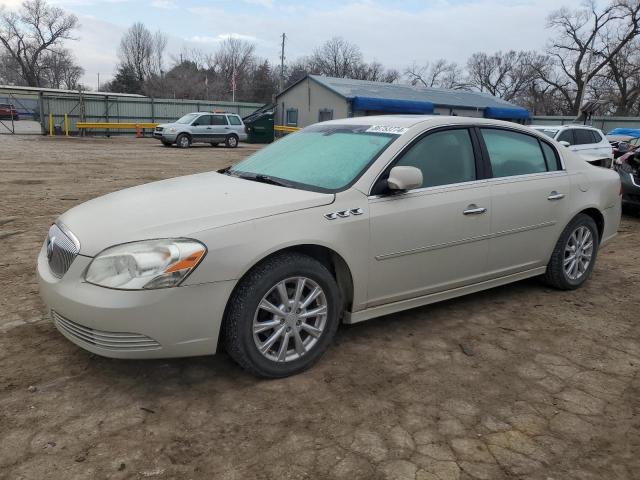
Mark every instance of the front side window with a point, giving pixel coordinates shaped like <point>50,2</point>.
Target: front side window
<point>513,153</point>
<point>188,118</point>
<point>320,157</point>
<point>202,120</point>
<point>566,136</point>
<point>444,158</point>
<point>233,120</point>
<point>218,120</point>
<point>292,117</point>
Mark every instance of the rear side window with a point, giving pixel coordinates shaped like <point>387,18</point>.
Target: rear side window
<point>597,136</point>
<point>444,158</point>
<point>218,120</point>
<point>233,120</point>
<point>566,136</point>
<point>583,136</point>
<point>512,153</point>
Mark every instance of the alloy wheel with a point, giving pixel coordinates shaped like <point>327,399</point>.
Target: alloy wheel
<point>578,253</point>
<point>290,319</point>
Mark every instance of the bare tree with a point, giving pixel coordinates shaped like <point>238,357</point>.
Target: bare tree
<point>336,58</point>
<point>620,79</point>
<point>142,51</point>
<point>233,61</point>
<point>27,34</point>
<point>505,75</point>
<point>438,74</point>
<point>587,40</point>
<point>59,70</point>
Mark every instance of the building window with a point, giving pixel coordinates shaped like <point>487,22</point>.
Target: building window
<point>292,117</point>
<point>325,114</point>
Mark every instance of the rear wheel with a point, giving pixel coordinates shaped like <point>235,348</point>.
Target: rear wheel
<point>283,316</point>
<point>574,255</point>
<point>231,141</point>
<point>183,141</point>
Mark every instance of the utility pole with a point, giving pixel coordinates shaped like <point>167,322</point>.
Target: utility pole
<point>98,89</point>
<point>281,86</point>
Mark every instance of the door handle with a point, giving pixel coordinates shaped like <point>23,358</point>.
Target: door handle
<point>208,128</point>
<point>474,210</point>
<point>226,128</point>
<point>555,196</point>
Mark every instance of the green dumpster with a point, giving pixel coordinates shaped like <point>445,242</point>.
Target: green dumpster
<point>259,127</point>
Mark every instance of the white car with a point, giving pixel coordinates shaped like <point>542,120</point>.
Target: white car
<point>343,221</point>
<point>588,142</point>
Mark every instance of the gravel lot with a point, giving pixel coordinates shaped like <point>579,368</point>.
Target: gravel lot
<point>517,382</point>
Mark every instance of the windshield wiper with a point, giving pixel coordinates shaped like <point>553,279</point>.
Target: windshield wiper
<point>259,177</point>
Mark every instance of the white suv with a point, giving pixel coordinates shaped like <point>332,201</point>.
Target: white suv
<point>588,142</point>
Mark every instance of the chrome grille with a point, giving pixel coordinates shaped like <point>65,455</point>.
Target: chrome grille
<point>62,249</point>
<point>109,340</point>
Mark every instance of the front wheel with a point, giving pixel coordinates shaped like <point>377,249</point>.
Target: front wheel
<point>183,141</point>
<point>282,316</point>
<point>574,255</point>
<point>231,141</point>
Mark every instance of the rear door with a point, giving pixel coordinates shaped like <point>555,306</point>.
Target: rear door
<point>529,200</point>
<point>219,127</point>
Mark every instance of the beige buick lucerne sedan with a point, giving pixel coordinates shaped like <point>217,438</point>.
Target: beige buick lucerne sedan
<point>341,222</point>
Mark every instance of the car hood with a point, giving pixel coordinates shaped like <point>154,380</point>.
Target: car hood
<point>180,207</point>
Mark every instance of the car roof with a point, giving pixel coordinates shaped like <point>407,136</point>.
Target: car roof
<point>211,113</point>
<point>561,127</point>
<point>408,121</point>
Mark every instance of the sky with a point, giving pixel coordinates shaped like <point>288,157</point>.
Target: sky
<point>395,33</point>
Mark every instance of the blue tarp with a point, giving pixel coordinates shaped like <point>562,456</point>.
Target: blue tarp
<point>632,132</point>
<point>391,105</point>
<point>508,113</point>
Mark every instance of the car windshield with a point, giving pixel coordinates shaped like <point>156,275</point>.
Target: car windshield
<point>320,157</point>
<point>188,118</point>
<point>550,132</point>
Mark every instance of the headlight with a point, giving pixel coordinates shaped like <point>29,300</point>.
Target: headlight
<point>145,265</point>
<point>172,129</point>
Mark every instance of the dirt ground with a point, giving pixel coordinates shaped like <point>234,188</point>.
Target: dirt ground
<point>516,382</point>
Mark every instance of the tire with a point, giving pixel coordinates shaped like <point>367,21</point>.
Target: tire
<point>231,141</point>
<point>183,141</point>
<point>245,313</point>
<point>560,269</point>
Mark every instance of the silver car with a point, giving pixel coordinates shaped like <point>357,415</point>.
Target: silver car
<point>202,127</point>
<point>343,221</point>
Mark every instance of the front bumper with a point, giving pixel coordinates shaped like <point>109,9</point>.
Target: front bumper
<point>171,322</point>
<point>165,136</point>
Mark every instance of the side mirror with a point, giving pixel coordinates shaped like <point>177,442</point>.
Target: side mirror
<point>404,178</point>
<point>564,143</point>
<point>195,124</point>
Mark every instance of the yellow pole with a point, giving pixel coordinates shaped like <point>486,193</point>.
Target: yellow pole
<point>50,124</point>
<point>66,125</point>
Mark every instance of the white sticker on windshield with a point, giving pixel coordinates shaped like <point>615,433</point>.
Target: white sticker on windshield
<point>387,129</point>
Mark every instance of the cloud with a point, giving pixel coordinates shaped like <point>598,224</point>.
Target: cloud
<point>164,4</point>
<point>220,38</point>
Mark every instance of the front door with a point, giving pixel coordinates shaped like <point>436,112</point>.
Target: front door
<point>435,237</point>
<point>201,128</point>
